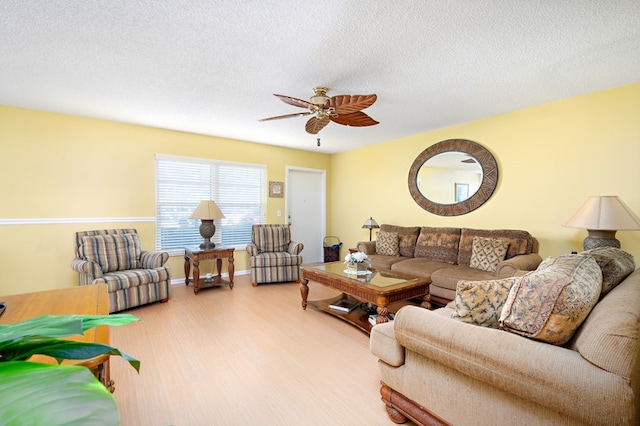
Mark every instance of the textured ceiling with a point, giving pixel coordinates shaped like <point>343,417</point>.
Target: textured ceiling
<point>211,67</point>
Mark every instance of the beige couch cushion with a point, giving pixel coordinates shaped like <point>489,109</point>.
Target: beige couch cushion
<point>550,303</point>
<point>608,338</point>
<point>407,236</point>
<point>487,253</point>
<point>387,244</point>
<point>616,265</point>
<point>439,244</point>
<point>481,302</point>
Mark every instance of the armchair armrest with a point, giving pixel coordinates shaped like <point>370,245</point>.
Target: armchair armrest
<point>87,267</point>
<point>523,262</point>
<point>252,249</point>
<point>153,259</point>
<point>367,247</point>
<point>546,374</point>
<point>295,248</point>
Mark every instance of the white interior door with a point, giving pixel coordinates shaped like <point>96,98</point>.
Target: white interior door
<point>305,207</point>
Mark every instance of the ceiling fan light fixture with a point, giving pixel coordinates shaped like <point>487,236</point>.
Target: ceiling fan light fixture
<point>319,97</point>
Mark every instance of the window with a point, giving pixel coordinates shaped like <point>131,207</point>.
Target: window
<point>238,189</point>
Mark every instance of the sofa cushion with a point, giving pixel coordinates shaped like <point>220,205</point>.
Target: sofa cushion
<point>387,244</point>
<point>487,253</point>
<point>616,265</point>
<point>520,242</point>
<point>439,244</point>
<point>271,238</point>
<point>481,302</point>
<point>608,338</point>
<point>550,303</point>
<point>407,236</point>
<point>113,252</point>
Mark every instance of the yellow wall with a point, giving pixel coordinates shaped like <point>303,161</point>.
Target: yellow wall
<point>550,159</point>
<point>59,166</point>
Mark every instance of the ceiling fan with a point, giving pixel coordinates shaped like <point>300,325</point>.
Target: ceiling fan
<point>341,109</point>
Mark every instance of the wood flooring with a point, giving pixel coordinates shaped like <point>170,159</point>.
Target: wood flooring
<point>247,356</point>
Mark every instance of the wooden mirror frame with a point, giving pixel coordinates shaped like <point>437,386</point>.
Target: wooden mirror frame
<point>489,177</point>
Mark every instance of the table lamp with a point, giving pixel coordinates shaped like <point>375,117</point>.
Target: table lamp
<point>370,224</point>
<point>207,211</point>
<point>602,216</point>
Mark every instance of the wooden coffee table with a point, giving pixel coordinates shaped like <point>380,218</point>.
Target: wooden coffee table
<point>382,288</point>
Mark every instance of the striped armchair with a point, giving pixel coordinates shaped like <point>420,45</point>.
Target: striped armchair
<point>133,276</point>
<point>274,257</point>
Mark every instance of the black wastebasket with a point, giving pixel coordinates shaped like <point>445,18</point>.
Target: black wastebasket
<point>331,248</point>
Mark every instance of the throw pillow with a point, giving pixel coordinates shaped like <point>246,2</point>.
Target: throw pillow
<point>550,304</point>
<point>113,252</point>
<point>481,302</point>
<point>387,244</point>
<point>487,253</point>
<point>616,265</point>
<point>407,236</point>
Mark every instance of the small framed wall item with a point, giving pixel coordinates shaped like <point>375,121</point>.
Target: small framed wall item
<point>276,189</point>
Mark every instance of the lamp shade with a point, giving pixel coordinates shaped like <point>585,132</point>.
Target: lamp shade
<point>207,210</point>
<point>607,213</point>
<point>370,224</point>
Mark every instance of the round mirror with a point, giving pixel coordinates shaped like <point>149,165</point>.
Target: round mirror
<point>453,177</point>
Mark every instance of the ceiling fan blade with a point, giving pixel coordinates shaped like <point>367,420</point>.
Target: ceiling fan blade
<point>280,117</point>
<point>356,119</point>
<point>295,101</point>
<point>346,104</point>
<point>314,125</point>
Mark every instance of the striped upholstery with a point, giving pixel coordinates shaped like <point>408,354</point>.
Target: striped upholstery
<point>112,252</point>
<point>133,276</point>
<point>274,257</point>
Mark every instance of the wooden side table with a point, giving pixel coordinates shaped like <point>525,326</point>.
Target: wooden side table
<point>195,255</point>
<point>84,300</point>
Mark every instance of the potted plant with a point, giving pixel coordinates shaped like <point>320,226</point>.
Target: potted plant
<point>36,393</point>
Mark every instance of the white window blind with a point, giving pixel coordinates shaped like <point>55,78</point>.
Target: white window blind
<point>238,189</point>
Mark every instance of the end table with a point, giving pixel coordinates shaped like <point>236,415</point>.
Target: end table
<point>195,255</point>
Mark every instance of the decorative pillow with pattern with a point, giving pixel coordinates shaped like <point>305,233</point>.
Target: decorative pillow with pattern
<point>480,302</point>
<point>616,265</point>
<point>387,244</point>
<point>550,303</point>
<point>407,236</point>
<point>487,253</point>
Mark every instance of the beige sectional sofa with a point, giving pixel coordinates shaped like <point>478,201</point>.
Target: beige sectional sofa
<point>436,369</point>
<point>445,255</point>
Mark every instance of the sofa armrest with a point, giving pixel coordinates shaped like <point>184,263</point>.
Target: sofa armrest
<point>542,373</point>
<point>295,248</point>
<point>252,249</point>
<point>523,262</point>
<point>87,267</point>
<point>153,259</point>
<point>383,344</point>
<point>367,247</point>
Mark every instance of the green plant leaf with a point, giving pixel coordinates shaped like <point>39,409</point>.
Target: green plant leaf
<point>49,394</point>
<point>21,340</point>
<point>60,350</point>
<point>60,325</point>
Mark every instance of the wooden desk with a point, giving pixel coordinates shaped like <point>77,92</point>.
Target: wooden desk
<point>196,255</point>
<point>83,300</point>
